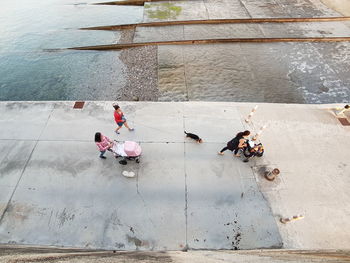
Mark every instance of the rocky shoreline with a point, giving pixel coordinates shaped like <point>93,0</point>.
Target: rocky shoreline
<point>141,71</point>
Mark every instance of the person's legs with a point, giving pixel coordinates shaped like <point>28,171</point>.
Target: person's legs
<point>236,152</point>
<point>120,125</point>
<point>222,151</point>
<point>102,154</point>
<point>127,126</point>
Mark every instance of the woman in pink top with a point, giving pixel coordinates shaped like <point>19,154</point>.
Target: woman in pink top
<point>103,143</point>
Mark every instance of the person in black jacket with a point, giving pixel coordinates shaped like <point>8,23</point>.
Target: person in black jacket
<point>237,143</point>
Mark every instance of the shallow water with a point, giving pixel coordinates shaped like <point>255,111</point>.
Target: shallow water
<point>28,28</point>
<point>32,67</point>
<point>256,72</point>
<point>252,72</point>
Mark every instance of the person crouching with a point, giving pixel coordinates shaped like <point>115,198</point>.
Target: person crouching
<point>253,150</point>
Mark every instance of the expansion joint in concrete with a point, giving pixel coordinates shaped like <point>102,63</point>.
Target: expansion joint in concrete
<point>24,168</point>
<point>186,192</point>
<point>186,210</point>
<point>17,183</point>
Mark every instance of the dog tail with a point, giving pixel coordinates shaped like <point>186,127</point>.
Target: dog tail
<point>185,132</point>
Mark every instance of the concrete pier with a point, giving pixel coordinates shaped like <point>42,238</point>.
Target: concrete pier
<point>56,191</point>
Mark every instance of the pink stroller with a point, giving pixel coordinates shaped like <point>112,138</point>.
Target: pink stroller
<point>127,150</point>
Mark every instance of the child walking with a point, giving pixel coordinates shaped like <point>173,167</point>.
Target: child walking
<point>120,119</point>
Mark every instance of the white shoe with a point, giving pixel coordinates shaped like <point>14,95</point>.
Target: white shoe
<point>128,174</point>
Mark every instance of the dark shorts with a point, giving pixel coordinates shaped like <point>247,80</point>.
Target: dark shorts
<point>120,124</point>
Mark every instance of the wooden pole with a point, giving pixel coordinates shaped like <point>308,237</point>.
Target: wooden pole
<point>213,41</point>
<point>221,21</point>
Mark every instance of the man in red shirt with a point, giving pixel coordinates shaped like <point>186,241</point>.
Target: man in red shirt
<point>120,119</point>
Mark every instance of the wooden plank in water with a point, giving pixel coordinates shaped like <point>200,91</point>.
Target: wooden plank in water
<point>131,2</point>
<point>213,41</point>
<point>221,21</point>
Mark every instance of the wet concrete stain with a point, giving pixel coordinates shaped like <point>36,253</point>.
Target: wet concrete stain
<point>23,106</point>
<point>227,200</point>
<point>10,167</point>
<point>13,163</point>
<point>140,243</point>
<point>119,245</point>
<point>135,240</point>
<point>218,169</point>
<point>63,165</point>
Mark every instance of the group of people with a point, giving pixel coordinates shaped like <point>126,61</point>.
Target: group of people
<point>103,142</point>
<point>241,144</point>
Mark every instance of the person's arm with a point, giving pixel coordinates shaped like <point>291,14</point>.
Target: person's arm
<point>241,143</point>
<point>100,147</point>
<point>109,144</point>
<point>109,140</point>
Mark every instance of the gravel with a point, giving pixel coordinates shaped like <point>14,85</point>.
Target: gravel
<point>141,71</point>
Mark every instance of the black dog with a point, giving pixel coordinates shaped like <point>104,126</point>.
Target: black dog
<point>194,137</point>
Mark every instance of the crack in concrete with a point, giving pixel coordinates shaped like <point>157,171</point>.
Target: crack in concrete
<point>137,183</point>
<point>245,8</point>
<point>186,193</point>
<point>143,199</point>
<point>206,9</point>
<point>186,211</point>
<point>25,167</point>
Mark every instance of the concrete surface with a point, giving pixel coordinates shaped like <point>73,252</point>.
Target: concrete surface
<point>310,148</point>
<point>56,191</point>
<point>12,254</point>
